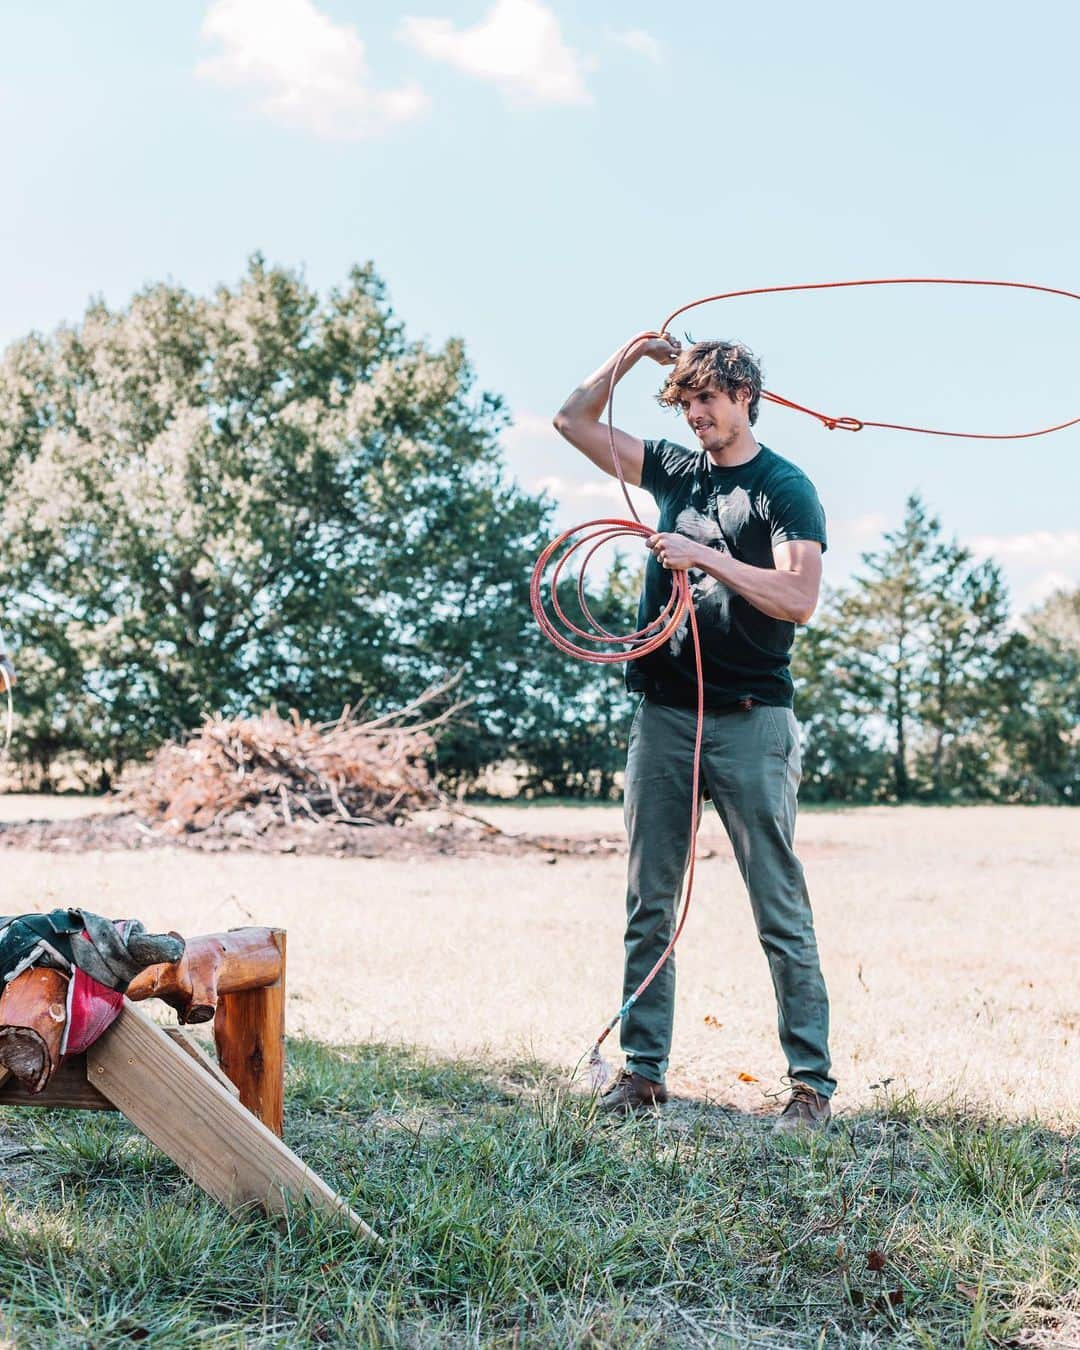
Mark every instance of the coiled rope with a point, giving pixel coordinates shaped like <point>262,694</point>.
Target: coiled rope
<point>597,533</point>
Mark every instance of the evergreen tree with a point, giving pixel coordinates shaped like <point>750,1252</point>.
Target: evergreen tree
<point>884,617</point>
<point>917,642</point>
<point>1036,721</point>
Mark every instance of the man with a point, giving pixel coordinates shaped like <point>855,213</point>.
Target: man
<point>748,527</point>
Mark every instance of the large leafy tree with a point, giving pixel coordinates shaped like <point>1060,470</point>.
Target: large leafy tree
<point>260,496</point>
<point>572,735</point>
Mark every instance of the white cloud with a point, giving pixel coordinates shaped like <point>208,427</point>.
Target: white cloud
<point>1035,545</point>
<point>543,462</point>
<point>529,428</point>
<point>858,531</point>
<point>643,43</point>
<point>518,46</point>
<point>603,489</point>
<point>1043,587</point>
<point>1036,563</point>
<point>598,498</point>
<point>304,69</point>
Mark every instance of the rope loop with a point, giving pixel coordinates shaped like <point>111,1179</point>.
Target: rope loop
<point>853,423</point>
<point>679,610</point>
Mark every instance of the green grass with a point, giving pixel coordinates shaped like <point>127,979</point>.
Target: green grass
<point>516,1218</point>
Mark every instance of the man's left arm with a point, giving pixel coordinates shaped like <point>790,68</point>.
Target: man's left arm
<point>789,590</point>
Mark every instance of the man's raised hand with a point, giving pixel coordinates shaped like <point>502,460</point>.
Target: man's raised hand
<point>578,420</point>
<point>665,350</point>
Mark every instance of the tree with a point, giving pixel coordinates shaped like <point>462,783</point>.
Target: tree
<point>572,736</point>
<point>923,627</point>
<point>844,756</point>
<point>1037,706</point>
<point>257,497</point>
<point>967,616</point>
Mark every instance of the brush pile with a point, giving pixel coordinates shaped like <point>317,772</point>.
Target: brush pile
<point>246,775</point>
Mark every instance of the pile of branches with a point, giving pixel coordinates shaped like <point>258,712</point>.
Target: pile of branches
<point>250,773</point>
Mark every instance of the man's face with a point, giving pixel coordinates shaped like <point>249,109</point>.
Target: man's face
<point>715,418</point>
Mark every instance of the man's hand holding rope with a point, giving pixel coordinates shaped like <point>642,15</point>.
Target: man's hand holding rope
<point>677,553</point>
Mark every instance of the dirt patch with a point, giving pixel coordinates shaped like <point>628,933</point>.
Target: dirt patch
<point>430,834</point>
<point>426,834</point>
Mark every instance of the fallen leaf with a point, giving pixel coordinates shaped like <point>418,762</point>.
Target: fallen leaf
<point>967,1291</point>
<point>875,1260</point>
<point>748,1078</point>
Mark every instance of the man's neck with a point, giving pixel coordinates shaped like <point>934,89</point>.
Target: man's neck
<point>738,452</point>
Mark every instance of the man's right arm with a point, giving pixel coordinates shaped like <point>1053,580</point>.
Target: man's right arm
<point>579,418</point>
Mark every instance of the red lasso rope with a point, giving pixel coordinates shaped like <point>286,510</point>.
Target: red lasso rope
<point>680,606</point>
<point>855,423</point>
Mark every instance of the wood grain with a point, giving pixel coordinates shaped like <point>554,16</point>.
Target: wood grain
<point>249,1032</point>
<point>33,1015</point>
<point>225,1149</point>
<point>216,964</point>
<point>194,1050</point>
<point>67,1087</point>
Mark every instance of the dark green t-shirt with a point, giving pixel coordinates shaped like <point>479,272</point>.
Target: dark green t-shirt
<point>747,509</point>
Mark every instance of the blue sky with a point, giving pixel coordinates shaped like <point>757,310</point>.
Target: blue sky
<point>546,179</point>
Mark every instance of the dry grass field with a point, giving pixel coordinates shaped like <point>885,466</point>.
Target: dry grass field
<point>950,940</point>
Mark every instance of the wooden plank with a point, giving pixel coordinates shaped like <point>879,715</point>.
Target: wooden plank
<point>67,1087</point>
<point>190,1046</point>
<point>188,1115</point>
<point>249,1032</point>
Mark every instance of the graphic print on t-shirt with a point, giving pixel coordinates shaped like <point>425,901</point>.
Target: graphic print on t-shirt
<point>748,509</point>
<point>711,598</point>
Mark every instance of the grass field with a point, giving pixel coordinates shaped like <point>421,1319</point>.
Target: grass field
<point>943,1209</point>
<point>950,941</point>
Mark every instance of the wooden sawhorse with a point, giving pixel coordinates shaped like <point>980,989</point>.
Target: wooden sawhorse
<point>220,1123</point>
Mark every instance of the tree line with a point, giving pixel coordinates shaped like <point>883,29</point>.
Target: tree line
<point>914,683</point>
<point>264,496</point>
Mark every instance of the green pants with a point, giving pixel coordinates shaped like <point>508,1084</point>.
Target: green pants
<point>750,766</point>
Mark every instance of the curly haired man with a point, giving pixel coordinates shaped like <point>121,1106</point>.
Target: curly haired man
<point>748,527</point>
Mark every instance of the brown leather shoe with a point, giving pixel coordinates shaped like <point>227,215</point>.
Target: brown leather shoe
<point>632,1092</point>
<point>805,1110</point>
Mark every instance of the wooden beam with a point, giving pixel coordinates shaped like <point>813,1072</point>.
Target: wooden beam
<point>188,1115</point>
<point>191,1047</point>
<point>67,1087</point>
<point>249,1032</point>
<point>219,963</point>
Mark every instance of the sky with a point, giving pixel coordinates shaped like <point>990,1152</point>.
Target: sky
<point>545,180</point>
